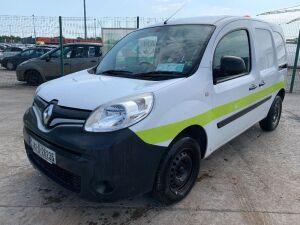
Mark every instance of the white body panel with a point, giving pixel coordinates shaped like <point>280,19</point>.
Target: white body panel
<point>178,101</point>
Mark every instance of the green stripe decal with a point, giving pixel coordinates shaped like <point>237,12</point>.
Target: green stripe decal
<point>170,131</point>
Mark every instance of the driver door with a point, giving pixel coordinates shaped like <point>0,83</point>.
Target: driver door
<point>232,107</point>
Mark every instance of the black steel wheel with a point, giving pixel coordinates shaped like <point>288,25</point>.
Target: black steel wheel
<point>178,171</point>
<point>271,122</point>
<point>10,66</point>
<point>33,78</point>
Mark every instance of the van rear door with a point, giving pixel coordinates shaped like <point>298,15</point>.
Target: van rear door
<point>266,60</point>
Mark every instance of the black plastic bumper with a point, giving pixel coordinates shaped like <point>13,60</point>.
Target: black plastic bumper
<point>99,166</point>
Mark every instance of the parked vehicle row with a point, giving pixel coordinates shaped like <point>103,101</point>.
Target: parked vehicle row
<point>48,66</point>
<point>11,62</point>
<point>10,51</point>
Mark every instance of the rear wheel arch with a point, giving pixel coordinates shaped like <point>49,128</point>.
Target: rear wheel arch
<point>281,93</point>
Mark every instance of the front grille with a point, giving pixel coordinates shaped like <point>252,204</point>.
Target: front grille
<point>61,111</point>
<point>66,178</point>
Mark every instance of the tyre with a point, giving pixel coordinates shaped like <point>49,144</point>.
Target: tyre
<point>178,171</point>
<point>33,78</point>
<point>10,66</point>
<point>271,122</point>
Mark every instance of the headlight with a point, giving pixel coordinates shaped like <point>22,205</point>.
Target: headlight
<point>119,114</point>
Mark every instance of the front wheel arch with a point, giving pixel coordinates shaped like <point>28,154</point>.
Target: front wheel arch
<point>27,72</point>
<point>196,132</point>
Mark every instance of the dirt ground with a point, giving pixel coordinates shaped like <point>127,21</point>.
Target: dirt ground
<point>253,180</point>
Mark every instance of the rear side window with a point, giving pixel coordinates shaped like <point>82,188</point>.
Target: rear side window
<point>280,48</point>
<point>79,52</point>
<point>93,51</point>
<point>27,52</point>
<point>8,50</point>
<point>17,49</point>
<point>265,56</point>
<point>86,51</point>
<point>235,44</point>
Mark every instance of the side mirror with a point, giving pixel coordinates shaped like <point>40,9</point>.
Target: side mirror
<point>47,58</point>
<point>232,65</point>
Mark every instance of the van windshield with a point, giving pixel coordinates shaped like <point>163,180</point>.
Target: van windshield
<point>157,53</point>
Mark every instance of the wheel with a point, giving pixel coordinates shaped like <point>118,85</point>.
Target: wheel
<point>271,122</point>
<point>178,171</point>
<point>33,78</point>
<point>10,66</point>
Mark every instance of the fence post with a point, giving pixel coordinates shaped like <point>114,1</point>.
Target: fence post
<point>137,22</point>
<point>61,42</point>
<point>295,65</point>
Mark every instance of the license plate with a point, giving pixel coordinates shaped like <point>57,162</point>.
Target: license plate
<point>42,151</point>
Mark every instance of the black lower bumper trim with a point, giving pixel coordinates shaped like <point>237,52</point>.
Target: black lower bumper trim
<point>66,178</point>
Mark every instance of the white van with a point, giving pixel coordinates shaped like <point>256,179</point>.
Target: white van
<point>162,99</point>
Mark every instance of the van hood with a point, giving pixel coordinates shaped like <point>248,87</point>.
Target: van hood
<point>83,90</point>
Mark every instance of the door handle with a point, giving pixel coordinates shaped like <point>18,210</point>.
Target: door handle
<point>66,64</point>
<point>93,61</point>
<point>252,87</point>
<point>262,83</point>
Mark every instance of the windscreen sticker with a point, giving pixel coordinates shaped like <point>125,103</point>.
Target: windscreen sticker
<point>172,67</point>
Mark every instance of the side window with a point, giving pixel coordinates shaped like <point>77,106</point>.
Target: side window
<point>232,56</point>
<point>27,53</point>
<point>67,53</point>
<point>39,52</point>
<point>8,49</point>
<point>93,51</point>
<point>265,56</point>
<point>46,50</point>
<point>17,49</point>
<point>80,52</point>
<point>280,48</point>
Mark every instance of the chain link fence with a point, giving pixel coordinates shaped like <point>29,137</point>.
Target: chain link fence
<point>28,30</point>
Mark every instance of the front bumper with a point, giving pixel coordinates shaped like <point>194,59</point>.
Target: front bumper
<point>20,74</point>
<point>98,166</point>
<point>3,64</point>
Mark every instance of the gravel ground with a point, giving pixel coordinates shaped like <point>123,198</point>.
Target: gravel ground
<point>253,180</point>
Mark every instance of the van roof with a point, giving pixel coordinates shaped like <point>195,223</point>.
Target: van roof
<point>215,20</point>
<point>212,20</point>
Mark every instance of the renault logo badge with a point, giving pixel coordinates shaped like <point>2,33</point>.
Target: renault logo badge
<point>47,114</point>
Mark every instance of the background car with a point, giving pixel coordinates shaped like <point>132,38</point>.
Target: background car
<point>77,56</point>
<point>3,47</point>
<point>10,51</point>
<point>12,62</point>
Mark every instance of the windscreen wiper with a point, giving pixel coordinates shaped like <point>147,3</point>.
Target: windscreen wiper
<point>159,74</point>
<point>116,72</point>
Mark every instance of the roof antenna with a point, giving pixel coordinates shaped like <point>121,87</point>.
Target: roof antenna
<point>177,11</point>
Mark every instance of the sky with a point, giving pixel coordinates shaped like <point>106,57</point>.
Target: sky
<point>144,8</point>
